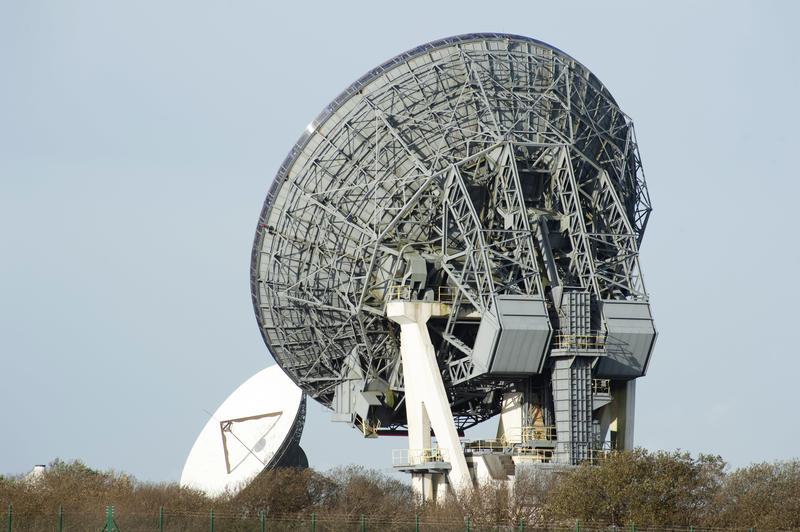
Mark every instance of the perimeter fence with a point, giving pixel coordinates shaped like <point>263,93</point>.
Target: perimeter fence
<point>163,521</point>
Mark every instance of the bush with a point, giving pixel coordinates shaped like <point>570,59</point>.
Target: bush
<point>366,491</point>
<point>280,492</point>
<point>762,496</point>
<point>657,489</point>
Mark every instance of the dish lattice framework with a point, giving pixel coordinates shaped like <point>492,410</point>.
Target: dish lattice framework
<point>456,152</point>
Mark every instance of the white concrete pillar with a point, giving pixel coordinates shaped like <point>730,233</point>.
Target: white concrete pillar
<point>426,401</point>
<point>510,425</point>
<point>618,416</point>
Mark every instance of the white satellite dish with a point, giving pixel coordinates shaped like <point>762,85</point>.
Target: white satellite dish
<point>257,427</point>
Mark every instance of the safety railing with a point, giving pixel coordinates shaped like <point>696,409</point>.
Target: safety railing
<point>512,437</point>
<point>538,433</point>
<point>410,457</point>
<point>598,455</point>
<point>601,386</point>
<point>530,454</point>
<point>446,294</point>
<point>579,341</point>
<point>607,446</point>
<point>400,291</point>
<point>493,445</point>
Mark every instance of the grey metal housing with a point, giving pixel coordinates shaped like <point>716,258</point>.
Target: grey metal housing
<point>513,336</point>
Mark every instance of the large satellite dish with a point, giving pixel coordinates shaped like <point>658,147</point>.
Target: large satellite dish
<point>258,427</point>
<point>491,175</point>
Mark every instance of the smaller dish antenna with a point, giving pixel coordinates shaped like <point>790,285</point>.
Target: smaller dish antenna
<point>258,427</point>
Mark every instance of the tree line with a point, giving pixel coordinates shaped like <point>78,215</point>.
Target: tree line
<point>650,489</point>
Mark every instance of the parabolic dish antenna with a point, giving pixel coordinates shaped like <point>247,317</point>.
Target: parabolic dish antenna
<point>257,427</point>
<point>489,185</point>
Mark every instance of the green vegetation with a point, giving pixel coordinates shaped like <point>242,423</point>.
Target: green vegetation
<point>652,490</point>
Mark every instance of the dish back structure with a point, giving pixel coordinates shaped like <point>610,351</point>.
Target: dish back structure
<point>495,176</point>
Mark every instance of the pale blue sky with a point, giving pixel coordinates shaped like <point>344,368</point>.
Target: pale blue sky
<point>138,140</point>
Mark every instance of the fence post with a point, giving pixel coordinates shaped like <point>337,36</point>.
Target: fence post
<point>262,521</point>
<point>577,526</point>
<point>160,519</point>
<point>111,525</point>
<point>363,524</point>
<point>60,518</point>
<point>10,511</point>
<point>416,523</point>
<point>467,523</point>
<point>633,527</point>
<point>211,523</point>
<point>521,524</point>
<point>313,522</point>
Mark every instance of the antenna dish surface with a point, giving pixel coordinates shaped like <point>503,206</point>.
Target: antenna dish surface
<point>252,430</point>
<point>491,173</point>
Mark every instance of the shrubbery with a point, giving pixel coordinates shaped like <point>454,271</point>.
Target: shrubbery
<point>639,487</point>
<point>765,496</point>
<point>650,489</point>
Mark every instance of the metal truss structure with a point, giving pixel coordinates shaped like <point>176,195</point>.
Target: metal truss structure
<point>465,170</point>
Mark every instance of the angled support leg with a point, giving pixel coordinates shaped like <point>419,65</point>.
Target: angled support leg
<point>426,401</point>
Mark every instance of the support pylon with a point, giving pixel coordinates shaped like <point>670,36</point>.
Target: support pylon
<point>426,401</point>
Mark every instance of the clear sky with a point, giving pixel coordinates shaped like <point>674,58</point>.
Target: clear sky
<point>138,141</point>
